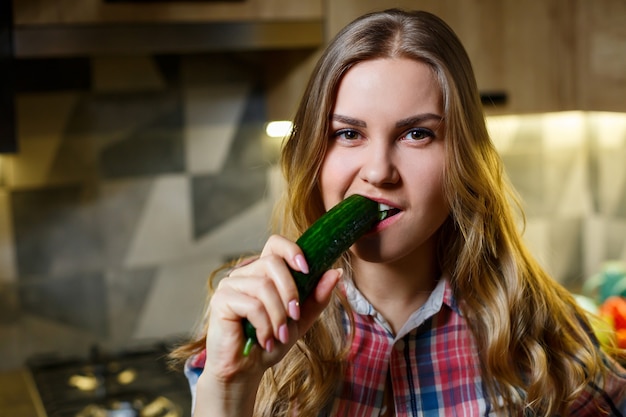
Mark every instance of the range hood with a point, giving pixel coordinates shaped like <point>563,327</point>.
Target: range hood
<point>162,38</point>
<point>113,27</point>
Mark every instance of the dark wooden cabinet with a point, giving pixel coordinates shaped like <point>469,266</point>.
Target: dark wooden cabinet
<point>44,12</point>
<point>8,141</point>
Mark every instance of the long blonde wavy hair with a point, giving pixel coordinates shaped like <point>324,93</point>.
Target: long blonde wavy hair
<point>534,343</point>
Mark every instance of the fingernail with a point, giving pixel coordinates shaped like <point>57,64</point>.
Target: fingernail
<point>340,270</point>
<point>294,309</point>
<point>269,346</point>
<point>301,262</point>
<point>283,334</point>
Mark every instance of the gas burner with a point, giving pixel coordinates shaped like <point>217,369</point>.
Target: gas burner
<point>85,382</point>
<point>127,384</point>
<point>138,407</point>
<point>91,379</point>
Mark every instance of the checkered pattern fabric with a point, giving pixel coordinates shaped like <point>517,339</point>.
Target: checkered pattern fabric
<point>432,360</point>
<point>433,365</point>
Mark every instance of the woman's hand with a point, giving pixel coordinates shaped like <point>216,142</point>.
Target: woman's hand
<point>264,292</point>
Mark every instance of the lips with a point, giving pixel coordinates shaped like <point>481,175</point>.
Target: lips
<point>385,211</point>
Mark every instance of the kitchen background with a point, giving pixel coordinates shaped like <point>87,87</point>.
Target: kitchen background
<point>139,172</point>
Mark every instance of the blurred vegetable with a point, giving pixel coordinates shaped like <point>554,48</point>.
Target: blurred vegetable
<point>614,310</point>
<point>602,326</point>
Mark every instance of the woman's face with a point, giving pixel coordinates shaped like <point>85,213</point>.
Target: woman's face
<point>386,142</point>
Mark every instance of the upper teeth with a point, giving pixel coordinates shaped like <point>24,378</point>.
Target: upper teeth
<point>383,210</point>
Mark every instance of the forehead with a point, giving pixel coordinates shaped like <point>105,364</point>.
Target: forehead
<point>384,82</point>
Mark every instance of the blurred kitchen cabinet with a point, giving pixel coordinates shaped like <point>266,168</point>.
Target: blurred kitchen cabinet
<point>105,27</point>
<point>524,49</point>
<point>602,54</point>
<point>37,12</point>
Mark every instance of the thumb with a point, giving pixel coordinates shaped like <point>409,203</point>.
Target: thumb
<point>319,299</point>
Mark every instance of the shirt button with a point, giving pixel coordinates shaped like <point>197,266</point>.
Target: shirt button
<point>399,346</point>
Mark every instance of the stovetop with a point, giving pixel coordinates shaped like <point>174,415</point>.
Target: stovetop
<point>126,384</point>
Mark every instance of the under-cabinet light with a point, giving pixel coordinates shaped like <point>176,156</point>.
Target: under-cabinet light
<point>278,129</point>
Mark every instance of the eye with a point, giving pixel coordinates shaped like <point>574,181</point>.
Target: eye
<point>419,134</point>
<point>347,134</point>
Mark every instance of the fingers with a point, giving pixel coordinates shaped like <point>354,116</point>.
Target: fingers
<point>288,250</point>
<point>319,299</point>
<point>278,255</point>
<point>263,292</point>
<point>257,299</point>
<point>269,295</point>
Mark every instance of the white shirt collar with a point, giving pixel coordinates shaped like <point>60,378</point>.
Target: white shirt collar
<point>432,306</point>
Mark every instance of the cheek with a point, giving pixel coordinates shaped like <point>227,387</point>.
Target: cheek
<point>335,177</point>
<point>437,193</point>
<point>429,178</point>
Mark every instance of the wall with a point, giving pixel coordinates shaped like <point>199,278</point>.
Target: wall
<point>124,196</point>
<point>568,168</point>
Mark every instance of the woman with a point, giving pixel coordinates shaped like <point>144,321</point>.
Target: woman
<point>440,310</point>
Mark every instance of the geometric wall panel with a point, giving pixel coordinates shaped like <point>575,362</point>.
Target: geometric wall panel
<point>242,180</point>
<point>77,300</point>
<point>127,291</point>
<point>153,147</point>
<point>121,204</point>
<point>56,232</point>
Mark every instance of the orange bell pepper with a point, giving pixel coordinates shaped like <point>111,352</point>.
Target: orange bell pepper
<point>615,308</point>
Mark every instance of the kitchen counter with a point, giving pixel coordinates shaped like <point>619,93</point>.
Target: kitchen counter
<point>17,395</point>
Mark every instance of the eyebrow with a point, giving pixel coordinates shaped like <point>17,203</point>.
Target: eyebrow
<point>420,118</point>
<point>348,120</point>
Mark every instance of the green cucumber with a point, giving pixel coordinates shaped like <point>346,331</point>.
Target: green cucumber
<point>324,242</point>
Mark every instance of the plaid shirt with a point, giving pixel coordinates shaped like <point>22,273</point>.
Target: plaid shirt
<point>432,360</point>
<point>433,364</point>
<point>434,368</point>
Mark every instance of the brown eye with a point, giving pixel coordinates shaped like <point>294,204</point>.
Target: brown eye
<point>347,134</point>
<point>419,134</point>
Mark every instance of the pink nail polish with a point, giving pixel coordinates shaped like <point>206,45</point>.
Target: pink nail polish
<point>283,334</point>
<point>269,346</point>
<point>294,309</point>
<point>301,262</point>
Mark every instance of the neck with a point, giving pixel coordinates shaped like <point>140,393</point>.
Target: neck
<point>399,288</point>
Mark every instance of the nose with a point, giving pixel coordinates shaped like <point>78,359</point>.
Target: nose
<point>378,167</point>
